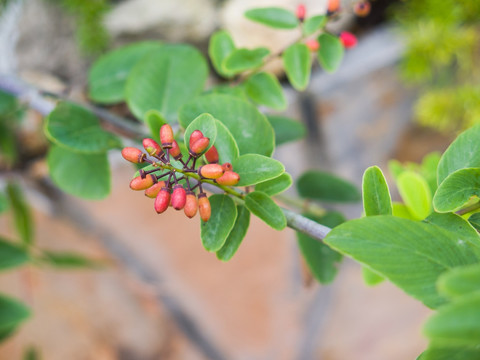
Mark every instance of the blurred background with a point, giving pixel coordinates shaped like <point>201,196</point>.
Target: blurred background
<point>404,91</point>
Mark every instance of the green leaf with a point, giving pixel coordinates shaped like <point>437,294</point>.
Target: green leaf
<point>456,324</point>
<point>254,168</point>
<point>474,220</point>
<point>376,196</point>
<point>251,130</point>
<point>8,104</point>
<point>206,124</point>
<point>215,231</point>
<point>321,260</point>
<point>286,129</point>
<point>78,130</point>
<point>21,213</point>
<point>166,79</point>
<point>265,89</point>
<point>401,210</point>
<point>262,206</point>
<point>31,354</point>
<point>330,53</point>
<point>276,185</point>
<point>221,45</point>
<point>457,189</point>
<point>416,194</point>
<point>154,120</point>
<point>274,17</point>
<point>370,277</point>
<point>396,168</point>
<point>237,91</point>
<point>11,255</point>
<point>72,172</point>
<point>243,59</point>
<point>68,260</point>
<point>8,144</point>
<point>225,144</point>
<point>452,353</point>
<point>460,281</point>
<point>4,205</point>
<point>324,186</point>
<point>237,234</point>
<point>314,23</point>
<point>108,75</point>
<point>429,168</point>
<point>410,254</point>
<point>297,63</point>
<point>12,313</point>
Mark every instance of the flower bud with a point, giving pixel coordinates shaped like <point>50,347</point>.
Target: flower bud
<point>162,200</point>
<point>333,6</point>
<point>313,45</point>
<point>229,178</point>
<point>348,39</point>
<point>194,136</point>
<point>153,190</point>
<point>175,151</point>
<point>141,184</point>
<point>212,155</point>
<point>178,197</point>
<point>191,205</point>
<point>166,136</point>
<point>204,207</point>
<point>301,11</point>
<point>152,147</point>
<point>211,171</point>
<point>133,155</point>
<point>227,166</point>
<point>199,146</point>
<point>362,8</point>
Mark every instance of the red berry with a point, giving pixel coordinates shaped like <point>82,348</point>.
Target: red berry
<point>194,136</point>
<point>178,197</point>
<point>162,200</point>
<point>348,39</point>
<point>204,207</point>
<point>166,136</point>
<point>141,184</point>
<point>153,190</point>
<point>312,44</point>
<point>199,146</point>
<point>333,6</point>
<point>152,147</point>
<point>211,171</point>
<point>229,178</point>
<point>175,151</point>
<point>191,205</point>
<point>133,155</point>
<point>301,11</point>
<point>362,8</point>
<point>212,155</point>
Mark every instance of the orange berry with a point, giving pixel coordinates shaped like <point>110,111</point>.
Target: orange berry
<point>313,45</point>
<point>175,151</point>
<point>153,190</point>
<point>212,155</point>
<point>162,200</point>
<point>333,6</point>
<point>194,136</point>
<point>141,184</point>
<point>152,147</point>
<point>211,171</point>
<point>191,205</point>
<point>229,178</point>
<point>178,197</point>
<point>166,136</point>
<point>227,166</point>
<point>199,146</point>
<point>204,207</point>
<point>133,155</point>
<point>362,8</point>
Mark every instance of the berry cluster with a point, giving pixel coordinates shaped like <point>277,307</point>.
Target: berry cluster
<point>170,192</point>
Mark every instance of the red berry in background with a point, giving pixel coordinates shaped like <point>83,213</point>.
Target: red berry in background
<point>301,11</point>
<point>312,44</point>
<point>204,207</point>
<point>133,155</point>
<point>211,171</point>
<point>229,178</point>
<point>199,146</point>
<point>166,136</point>
<point>175,151</point>
<point>227,166</point>
<point>212,155</point>
<point>362,8</point>
<point>162,200</point>
<point>191,205</point>
<point>141,184</point>
<point>179,197</point>
<point>153,190</point>
<point>333,6</point>
<point>194,136</point>
<point>152,147</point>
<point>348,39</point>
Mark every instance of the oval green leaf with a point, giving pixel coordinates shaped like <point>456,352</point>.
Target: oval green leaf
<point>324,186</point>
<point>274,17</point>
<point>22,216</point>
<point>313,24</point>
<point>243,59</point>
<point>108,74</point>
<point>376,195</point>
<point>460,281</point>
<point>401,210</point>
<point>456,190</point>
<point>254,168</point>
<point>416,194</point>
<point>166,79</point>
<point>206,124</point>
<point>155,120</point>
<point>264,89</point>
<point>330,53</point>
<point>286,129</point>
<point>251,130</point>
<point>474,220</point>
<point>215,231</point>
<point>11,255</point>
<point>79,130</point>
<point>83,175</point>
<point>221,45</point>
<point>12,313</point>
<point>262,206</point>
<point>237,234</point>
<point>297,63</point>
<point>225,144</point>
<point>276,185</point>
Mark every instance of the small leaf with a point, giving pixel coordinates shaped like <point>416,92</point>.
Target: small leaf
<point>456,190</point>
<point>286,129</point>
<point>12,313</point>
<point>262,206</point>
<point>297,63</point>
<point>225,144</point>
<point>72,172</point>
<point>401,210</point>
<point>21,213</point>
<point>215,231</point>
<point>166,79</point>
<point>79,130</point>
<point>396,168</point>
<point>276,185</point>
<point>376,196</point>
<point>221,45</point>
<point>370,277</point>
<point>237,91</point>
<point>429,168</point>
<point>460,281</point>
<point>11,255</point>
<point>236,236</point>
<point>243,59</point>
<point>274,17</point>
<point>254,168</point>
<point>314,23</point>
<point>107,76</point>
<point>324,186</point>
<point>68,260</point>
<point>330,53</point>
<point>265,89</point>
<point>155,120</point>
<point>416,194</point>
<point>474,220</point>
<point>206,124</point>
